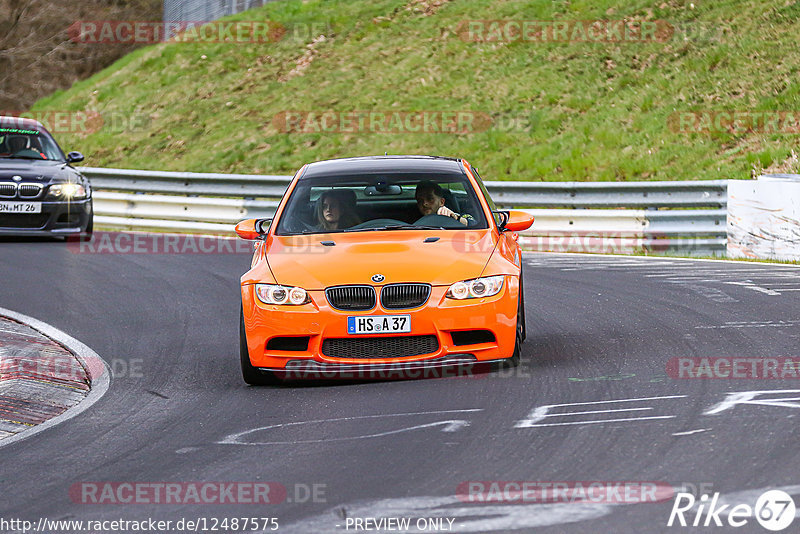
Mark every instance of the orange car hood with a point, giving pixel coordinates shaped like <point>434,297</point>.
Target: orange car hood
<point>400,256</point>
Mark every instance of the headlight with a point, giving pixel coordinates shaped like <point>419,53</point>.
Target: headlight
<point>477,288</point>
<point>68,191</point>
<point>275,294</point>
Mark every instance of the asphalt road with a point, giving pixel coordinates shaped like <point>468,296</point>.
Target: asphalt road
<point>601,334</point>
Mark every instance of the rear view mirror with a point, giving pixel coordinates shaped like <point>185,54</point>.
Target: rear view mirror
<point>253,228</point>
<point>382,189</point>
<point>74,157</point>
<point>515,221</point>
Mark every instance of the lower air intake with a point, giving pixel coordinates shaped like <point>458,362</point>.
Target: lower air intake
<point>380,347</point>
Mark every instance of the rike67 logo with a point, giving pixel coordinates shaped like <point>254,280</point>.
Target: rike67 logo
<point>774,510</point>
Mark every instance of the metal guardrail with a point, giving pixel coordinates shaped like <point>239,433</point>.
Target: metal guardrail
<point>187,183</point>
<point>689,217</point>
<point>611,194</point>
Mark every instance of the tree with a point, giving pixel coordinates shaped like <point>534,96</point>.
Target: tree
<point>37,56</point>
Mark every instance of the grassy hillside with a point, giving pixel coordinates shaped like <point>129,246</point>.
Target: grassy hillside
<point>559,110</point>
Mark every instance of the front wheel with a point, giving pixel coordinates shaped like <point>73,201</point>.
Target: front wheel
<point>515,358</point>
<point>86,235</point>
<point>522,308</point>
<point>252,375</point>
<point>521,330</point>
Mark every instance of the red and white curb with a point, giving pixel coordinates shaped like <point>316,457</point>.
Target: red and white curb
<point>46,376</point>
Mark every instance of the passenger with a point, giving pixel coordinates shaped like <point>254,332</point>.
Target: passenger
<point>336,210</point>
<point>430,200</point>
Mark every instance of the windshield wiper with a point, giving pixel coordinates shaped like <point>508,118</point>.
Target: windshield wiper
<point>395,227</point>
<point>16,156</point>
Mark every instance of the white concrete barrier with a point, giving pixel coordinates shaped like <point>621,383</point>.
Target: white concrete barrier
<point>764,218</point>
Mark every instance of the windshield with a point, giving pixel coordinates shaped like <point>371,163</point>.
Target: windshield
<point>21,143</point>
<point>381,202</point>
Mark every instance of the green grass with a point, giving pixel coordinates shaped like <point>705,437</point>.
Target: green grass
<point>578,111</point>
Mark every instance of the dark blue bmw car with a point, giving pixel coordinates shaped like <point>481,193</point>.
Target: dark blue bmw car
<point>41,194</point>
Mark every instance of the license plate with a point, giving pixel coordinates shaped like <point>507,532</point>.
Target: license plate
<point>20,207</point>
<point>379,324</point>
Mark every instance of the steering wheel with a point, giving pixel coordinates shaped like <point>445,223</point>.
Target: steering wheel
<point>377,223</point>
<point>27,152</point>
<point>434,219</point>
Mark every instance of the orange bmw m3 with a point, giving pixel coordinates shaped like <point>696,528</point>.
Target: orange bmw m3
<point>378,267</point>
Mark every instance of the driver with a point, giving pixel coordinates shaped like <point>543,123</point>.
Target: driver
<point>17,143</point>
<point>430,200</point>
<point>22,146</point>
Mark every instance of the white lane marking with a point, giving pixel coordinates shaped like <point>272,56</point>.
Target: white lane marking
<point>751,324</point>
<point>467,516</point>
<point>697,280</point>
<point>541,412</point>
<point>88,358</point>
<point>620,400</point>
<point>690,432</point>
<point>599,411</point>
<point>773,276</point>
<point>451,425</point>
<point>750,397</point>
<point>710,293</point>
<point>760,273</point>
<point>750,285</point>
<point>623,419</point>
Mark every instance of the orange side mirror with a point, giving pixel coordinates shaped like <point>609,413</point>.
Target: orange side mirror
<point>252,228</point>
<point>517,221</point>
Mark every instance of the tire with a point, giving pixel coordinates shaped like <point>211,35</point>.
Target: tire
<point>252,375</point>
<point>515,358</point>
<point>522,303</point>
<point>86,235</point>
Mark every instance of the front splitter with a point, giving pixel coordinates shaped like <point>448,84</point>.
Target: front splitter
<point>453,366</point>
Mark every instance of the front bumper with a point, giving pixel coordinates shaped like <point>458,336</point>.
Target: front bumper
<point>313,323</point>
<point>56,218</point>
<point>454,366</point>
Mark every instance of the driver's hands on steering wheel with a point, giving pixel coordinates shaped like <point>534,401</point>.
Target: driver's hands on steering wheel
<point>447,212</point>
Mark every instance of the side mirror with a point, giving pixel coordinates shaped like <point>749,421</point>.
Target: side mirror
<point>253,228</point>
<point>515,221</point>
<point>74,157</point>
